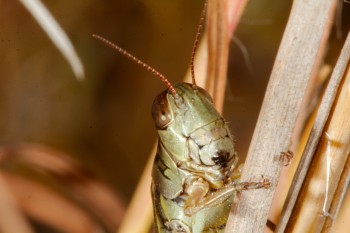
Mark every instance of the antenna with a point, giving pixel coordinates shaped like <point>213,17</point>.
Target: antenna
<point>196,41</point>
<point>139,62</point>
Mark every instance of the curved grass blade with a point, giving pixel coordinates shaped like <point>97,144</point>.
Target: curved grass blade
<point>56,34</point>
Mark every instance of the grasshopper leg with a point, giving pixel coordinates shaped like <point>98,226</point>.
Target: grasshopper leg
<point>217,197</point>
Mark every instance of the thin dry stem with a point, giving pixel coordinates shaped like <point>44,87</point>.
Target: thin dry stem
<point>341,222</point>
<point>294,66</point>
<point>300,135</point>
<point>223,18</point>
<point>218,47</point>
<point>313,204</point>
<point>315,136</point>
<point>338,199</point>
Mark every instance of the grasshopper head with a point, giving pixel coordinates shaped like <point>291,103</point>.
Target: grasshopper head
<point>192,108</point>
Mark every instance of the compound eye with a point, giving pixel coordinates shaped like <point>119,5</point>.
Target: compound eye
<point>205,94</point>
<point>161,111</point>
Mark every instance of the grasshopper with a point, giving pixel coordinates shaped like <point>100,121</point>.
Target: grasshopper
<point>194,177</point>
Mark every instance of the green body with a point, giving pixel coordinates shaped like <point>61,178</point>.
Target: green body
<point>194,162</point>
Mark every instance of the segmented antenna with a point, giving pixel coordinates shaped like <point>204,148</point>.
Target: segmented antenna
<point>196,41</point>
<point>141,63</point>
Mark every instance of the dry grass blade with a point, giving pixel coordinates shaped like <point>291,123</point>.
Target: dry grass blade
<point>316,133</point>
<point>341,223</point>
<point>11,217</point>
<point>218,44</point>
<point>56,34</point>
<point>312,207</point>
<point>338,200</point>
<point>212,56</point>
<point>223,17</point>
<point>294,66</point>
<point>301,133</point>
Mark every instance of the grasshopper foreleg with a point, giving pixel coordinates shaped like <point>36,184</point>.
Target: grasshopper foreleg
<point>216,197</point>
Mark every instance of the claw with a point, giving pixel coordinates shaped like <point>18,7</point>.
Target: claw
<point>264,183</point>
<point>286,157</point>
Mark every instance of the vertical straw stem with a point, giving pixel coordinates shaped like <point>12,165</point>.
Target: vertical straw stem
<point>280,109</point>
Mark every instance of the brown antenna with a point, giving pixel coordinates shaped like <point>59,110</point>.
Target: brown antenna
<point>196,41</point>
<point>141,63</point>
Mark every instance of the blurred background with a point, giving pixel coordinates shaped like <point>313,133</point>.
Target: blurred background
<point>104,121</point>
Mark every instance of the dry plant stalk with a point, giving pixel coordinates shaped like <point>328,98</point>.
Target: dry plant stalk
<point>295,63</point>
<point>301,132</point>
<point>338,200</point>
<point>344,212</point>
<point>222,20</point>
<point>218,48</point>
<point>223,17</point>
<point>313,206</point>
<point>313,141</point>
